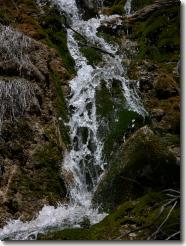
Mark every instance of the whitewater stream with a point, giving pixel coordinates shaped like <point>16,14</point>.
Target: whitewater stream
<point>84,163</point>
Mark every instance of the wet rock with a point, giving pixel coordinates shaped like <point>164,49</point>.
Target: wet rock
<point>165,86</point>
<point>145,164</point>
<point>157,114</point>
<point>90,7</point>
<point>31,144</point>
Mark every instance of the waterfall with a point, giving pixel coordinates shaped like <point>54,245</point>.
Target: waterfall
<point>127,7</point>
<point>84,163</point>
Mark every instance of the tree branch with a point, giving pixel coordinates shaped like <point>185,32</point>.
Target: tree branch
<point>165,220</point>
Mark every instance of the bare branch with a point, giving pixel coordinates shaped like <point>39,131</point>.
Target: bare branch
<point>165,220</point>
<point>173,235</point>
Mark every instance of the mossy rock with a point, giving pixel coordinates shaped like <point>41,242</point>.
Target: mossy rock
<point>159,35</point>
<point>132,220</point>
<point>115,118</point>
<point>144,164</point>
<point>93,56</point>
<point>118,7</point>
<point>139,4</point>
<point>61,105</point>
<point>39,182</point>
<point>165,86</point>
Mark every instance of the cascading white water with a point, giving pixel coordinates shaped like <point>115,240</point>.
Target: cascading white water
<point>84,163</point>
<point>127,7</point>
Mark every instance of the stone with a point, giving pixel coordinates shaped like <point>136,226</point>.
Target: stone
<point>145,165</point>
<point>157,114</point>
<point>165,86</point>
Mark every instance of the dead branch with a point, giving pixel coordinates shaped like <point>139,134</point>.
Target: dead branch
<point>87,42</point>
<point>144,227</point>
<point>145,12</point>
<point>165,220</point>
<point>173,235</point>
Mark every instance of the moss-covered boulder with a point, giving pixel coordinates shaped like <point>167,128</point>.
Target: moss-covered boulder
<point>144,165</point>
<point>165,86</point>
<point>133,220</point>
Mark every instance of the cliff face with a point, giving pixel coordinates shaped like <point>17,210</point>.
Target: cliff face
<point>33,79</point>
<point>143,160</point>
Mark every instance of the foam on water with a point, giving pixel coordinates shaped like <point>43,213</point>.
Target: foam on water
<point>84,163</point>
<point>127,7</point>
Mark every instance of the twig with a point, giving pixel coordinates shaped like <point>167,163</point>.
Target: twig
<point>173,235</point>
<point>176,191</point>
<point>15,5</point>
<point>144,227</point>
<point>67,25</point>
<point>165,220</point>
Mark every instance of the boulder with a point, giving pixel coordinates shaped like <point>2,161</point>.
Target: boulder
<point>165,86</point>
<point>145,165</point>
<point>157,113</point>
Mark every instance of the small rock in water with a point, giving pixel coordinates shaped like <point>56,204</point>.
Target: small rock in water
<point>85,223</point>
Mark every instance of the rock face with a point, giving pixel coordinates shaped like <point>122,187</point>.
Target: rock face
<point>89,7</point>
<point>165,87</point>
<point>145,165</point>
<point>32,139</point>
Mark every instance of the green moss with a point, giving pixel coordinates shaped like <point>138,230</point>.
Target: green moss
<point>115,118</point>
<point>171,139</point>
<point>52,24</point>
<point>119,128</point>
<point>104,102</point>
<point>93,56</point>
<point>5,18</point>
<point>118,7</point>
<point>159,35</point>
<point>108,37</point>
<point>62,109</point>
<point>58,40</point>
<point>139,215</point>
<point>144,163</point>
<point>139,4</point>
<point>45,182</point>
